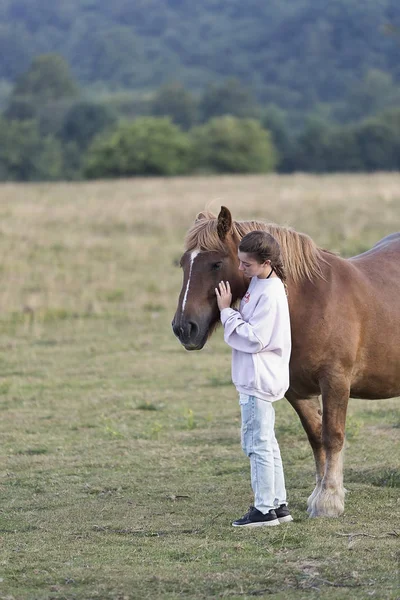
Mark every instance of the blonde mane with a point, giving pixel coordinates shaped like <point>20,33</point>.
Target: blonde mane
<point>301,257</point>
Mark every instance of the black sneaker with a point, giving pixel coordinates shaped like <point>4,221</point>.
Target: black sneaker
<point>255,518</point>
<point>283,514</point>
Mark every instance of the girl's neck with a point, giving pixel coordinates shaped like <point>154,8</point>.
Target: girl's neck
<point>267,274</point>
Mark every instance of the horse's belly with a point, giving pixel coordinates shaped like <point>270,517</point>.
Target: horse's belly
<point>376,373</point>
<point>377,385</point>
<point>367,395</point>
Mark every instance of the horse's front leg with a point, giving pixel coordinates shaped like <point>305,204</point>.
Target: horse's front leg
<point>309,411</point>
<point>329,500</point>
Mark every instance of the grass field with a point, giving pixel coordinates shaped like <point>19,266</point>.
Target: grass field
<point>121,467</point>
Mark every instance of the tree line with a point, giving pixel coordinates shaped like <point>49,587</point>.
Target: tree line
<point>51,130</point>
<point>297,55</point>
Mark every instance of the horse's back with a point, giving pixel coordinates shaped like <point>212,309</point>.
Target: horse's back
<point>381,264</point>
<point>386,248</point>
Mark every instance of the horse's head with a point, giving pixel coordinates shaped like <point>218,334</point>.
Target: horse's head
<point>211,257</point>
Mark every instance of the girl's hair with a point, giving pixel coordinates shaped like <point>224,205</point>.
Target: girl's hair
<point>263,246</point>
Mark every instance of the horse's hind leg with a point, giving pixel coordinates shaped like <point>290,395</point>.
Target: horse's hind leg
<point>329,501</point>
<point>310,415</point>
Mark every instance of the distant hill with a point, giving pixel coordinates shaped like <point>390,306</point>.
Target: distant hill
<point>294,53</point>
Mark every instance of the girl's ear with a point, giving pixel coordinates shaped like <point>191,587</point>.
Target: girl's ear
<point>224,225</point>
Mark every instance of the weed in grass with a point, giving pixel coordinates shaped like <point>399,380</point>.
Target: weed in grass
<point>153,307</point>
<point>353,427</point>
<point>379,477</point>
<point>155,430</point>
<point>5,387</point>
<point>152,288</point>
<point>109,428</point>
<point>386,478</point>
<point>147,405</point>
<point>190,422</point>
<point>33,451</point>
<point>54,314</point>
<point>218,381</point>
<point>116,295</point>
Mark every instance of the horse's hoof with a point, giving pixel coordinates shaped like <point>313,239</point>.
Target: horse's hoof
<point>328,503</point>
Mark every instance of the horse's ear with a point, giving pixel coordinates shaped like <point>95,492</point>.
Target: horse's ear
<point>201,216</point>
<point>224,225</point>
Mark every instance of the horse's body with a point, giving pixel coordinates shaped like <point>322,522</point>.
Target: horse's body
<point>345,320</point>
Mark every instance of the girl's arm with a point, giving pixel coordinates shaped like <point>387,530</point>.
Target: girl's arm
<point>255,335</point>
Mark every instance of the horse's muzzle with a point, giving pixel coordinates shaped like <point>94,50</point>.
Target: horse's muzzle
<point>188,333</point>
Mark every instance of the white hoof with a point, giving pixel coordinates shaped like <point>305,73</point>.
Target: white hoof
<point>328,503</point>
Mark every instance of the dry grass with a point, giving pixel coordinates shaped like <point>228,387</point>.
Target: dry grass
<point>63,245</point>
<point>121,465</point>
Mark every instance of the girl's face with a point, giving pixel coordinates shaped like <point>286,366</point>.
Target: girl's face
<point>251,267</point>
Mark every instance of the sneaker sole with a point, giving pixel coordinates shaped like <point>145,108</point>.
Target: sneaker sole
<point>285,519</point>
<point>262,524</point>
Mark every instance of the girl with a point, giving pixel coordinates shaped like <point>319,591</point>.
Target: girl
<point>259,335</point>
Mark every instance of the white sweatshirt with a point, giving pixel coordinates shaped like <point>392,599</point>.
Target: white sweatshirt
<point>260,337</point>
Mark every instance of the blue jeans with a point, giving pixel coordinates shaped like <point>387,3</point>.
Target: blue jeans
<point>260,445</point>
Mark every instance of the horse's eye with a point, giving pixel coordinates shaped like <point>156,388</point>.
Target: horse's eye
<point>177,263</point>
<point>216,266</point>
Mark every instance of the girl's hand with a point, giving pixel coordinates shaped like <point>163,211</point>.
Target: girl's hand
<point>224,295</point>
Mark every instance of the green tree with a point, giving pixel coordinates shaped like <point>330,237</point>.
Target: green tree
<point>372,144</point>
<point>231,145</point>
<point>379,145</point>
<point>72,161</point>
<point>84,121</point>
<point>228,98</point>
<point>20,109</point>
<point>25,155</point>
<point>48,78</point>
<point>147,146</point>
<point>172,100</point>
<point>341,152</point>
<point>370,96</point>
<point>274,120</point>
<point>294,54</point>
<point>45,92</point>
<point>312,146</point>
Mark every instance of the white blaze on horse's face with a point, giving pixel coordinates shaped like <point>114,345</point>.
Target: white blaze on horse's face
<point>192,258</point>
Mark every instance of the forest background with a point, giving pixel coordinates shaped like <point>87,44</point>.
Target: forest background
<point>90,89</point>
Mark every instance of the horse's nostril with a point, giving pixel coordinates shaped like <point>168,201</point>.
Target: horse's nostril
<point>193,329</point>
<point>186,331</point>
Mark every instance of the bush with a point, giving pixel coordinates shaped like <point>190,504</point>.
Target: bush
<point>147,146</point>
<point>231,145</point>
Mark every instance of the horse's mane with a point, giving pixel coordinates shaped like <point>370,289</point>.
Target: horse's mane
<point>301,257</point>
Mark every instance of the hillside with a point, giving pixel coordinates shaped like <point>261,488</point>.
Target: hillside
<point>293,54</point>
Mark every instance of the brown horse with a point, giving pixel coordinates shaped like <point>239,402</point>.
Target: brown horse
<point>345,320</point>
